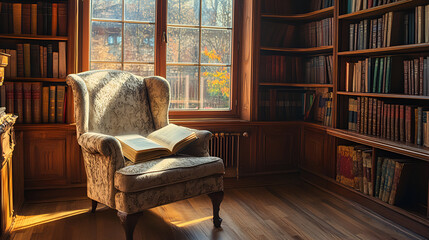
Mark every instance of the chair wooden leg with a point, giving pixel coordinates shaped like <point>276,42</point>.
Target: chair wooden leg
<point>94,206</point>
<point>216,198</point>
<point>128,222</point>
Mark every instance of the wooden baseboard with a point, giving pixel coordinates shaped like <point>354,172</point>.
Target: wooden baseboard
<point>416,223</point>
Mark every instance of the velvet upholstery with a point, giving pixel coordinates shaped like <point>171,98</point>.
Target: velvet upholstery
<point>111,102</point>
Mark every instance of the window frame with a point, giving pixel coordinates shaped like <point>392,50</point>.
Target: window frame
<point>160,61</point>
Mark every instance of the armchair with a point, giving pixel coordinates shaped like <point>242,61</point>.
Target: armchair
<point>109,103</point>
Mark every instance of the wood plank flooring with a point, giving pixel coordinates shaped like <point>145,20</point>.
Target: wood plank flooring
<point>291,209</point>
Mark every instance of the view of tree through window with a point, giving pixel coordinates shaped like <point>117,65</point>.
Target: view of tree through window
<point>199,34</point>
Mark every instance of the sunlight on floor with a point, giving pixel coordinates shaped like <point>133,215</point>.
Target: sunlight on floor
<point>35,220</point>
<point>192,222</point>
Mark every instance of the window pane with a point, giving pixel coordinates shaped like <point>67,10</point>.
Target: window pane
<point>139,42</point>
<point>216,82</point>
<point>182,45</point>
<point>186,12</point>
<point>217,13</point>
<point>140,10</point>
<point>100,66</point>
<point>108,9</point>
<point>106,41</point>
<point>143,70</point>
<point>216,46</point>
<point>184,86</point>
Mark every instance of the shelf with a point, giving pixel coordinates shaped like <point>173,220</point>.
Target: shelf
<point>418,222</point>
<point>411,150</point>
<point>45,126</point>
<point>31,79</point>
<point>412,48</point>
<point>379,10</point>
<point>319,14</point>
<point>383,95</point>
<point>324,49</point>
<point>34,37</point>
<point>314,85</point>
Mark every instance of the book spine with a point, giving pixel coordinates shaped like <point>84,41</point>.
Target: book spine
<point>396,179</point>
<point>27,60</point>
<point>52,97</point>
<point>54,25</point>
<point>27,102</point>
<point>402,124</point>
<point>36,101</point>
<point>45,104</point>
<point>25,18</point>
<point>18,102</point>
<point>34,19</point>
<point>378,176</point>
<point>10,97</point>
<point>17,16</point>
<point>60,103</point>
<point>62,62</point>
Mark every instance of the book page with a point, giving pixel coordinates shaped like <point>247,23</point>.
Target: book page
<point>171,136</point>
<point>138,143</point>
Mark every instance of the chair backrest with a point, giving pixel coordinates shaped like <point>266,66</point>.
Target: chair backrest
<point>112,102</point>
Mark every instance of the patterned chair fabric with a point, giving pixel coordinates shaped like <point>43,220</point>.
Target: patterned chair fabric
<point>109,103</point>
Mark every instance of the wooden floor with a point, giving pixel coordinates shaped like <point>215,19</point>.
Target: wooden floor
<point>290,210</point>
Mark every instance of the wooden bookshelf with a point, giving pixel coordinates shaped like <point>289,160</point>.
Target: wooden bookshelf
<point>313,50</point>
<point>308,85</point>
<point>310,16</point>
<point>34,37</point>
<point>402,49</point>
<point>383,95</point>
<point>374,11</point>
<point>32,79</point>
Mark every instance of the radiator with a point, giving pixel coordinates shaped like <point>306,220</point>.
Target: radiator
<point>227,146</point>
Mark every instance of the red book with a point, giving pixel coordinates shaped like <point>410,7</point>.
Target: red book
<point>10,96</point>
<point>26,18</point>
<point>396,122</point>
<point>379,112</point>
<point>374,116</point>
<point>36,101</point>
<point>392,122</point>
<point>18,102</point>
<point>27,102</point>
<point>62,19</point>
<point>370,115</point>
<point>406,77</point>
<point>421,61</point>
<point>388,121</point>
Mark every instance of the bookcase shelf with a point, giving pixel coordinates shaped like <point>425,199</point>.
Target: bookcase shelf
<point>313,50</point>
<point>310,16</point>
<point>34,37</point>
<point>310,85</point>
<point>383,95</point>
<point>402,49</point>
<point>45,126</point>
<point>374,11</point>
<point>31,79</point>
<point>411,150</point>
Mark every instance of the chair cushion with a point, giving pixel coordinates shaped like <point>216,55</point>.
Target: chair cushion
<point>166,171</point>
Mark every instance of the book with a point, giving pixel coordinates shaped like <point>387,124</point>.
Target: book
<point>61,90</point>
<point>54,25</point>
<point>25,18</point>
<point>52,97</point>
<point>62,19</point>
<point>380,161</point>
<point>62,61</point>
<point>19,98</point>
<point>162,142</point>
<point>55,64</point>
<point>34,19</point>
<point>10,97</point>
<point>36,101</point>
<point>20,60</point>
<point>17,15</point>
<point>27,60</point>
<point>45,104</point>
<point>404,177</point>
<point>26,87</point>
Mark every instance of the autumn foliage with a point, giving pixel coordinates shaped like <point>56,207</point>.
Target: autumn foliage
<point>218,81</point>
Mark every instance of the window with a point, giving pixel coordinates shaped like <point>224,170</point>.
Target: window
<point>194,54</point>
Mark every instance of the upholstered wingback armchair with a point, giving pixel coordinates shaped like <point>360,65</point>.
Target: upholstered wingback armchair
<point>109,103</point>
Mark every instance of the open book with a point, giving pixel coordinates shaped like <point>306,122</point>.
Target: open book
<point>160,143</point>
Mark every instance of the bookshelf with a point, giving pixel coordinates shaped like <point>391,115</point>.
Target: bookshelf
<point>47,154</point>
<point>287,44</point>
<point>318,160</point>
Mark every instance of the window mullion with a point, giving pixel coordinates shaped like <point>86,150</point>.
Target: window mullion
<point>123,35</point>
<point>200,85</point>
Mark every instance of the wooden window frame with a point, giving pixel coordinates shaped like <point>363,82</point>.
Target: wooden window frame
<point>161,57</point>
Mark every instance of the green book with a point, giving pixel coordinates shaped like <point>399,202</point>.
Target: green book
<point>389,180</point>
<point>381,78</point>
<point>388,74</point>
<point>380,161</point>
<point>374,79</point>
<point>383,177</point>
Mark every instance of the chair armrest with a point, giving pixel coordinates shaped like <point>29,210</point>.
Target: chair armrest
<point>200,147</point>
<point>99,143</point>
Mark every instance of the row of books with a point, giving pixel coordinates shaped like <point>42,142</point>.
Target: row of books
<point>290,69</point>
<point>34,102</point>
<point>416,76</point>
<point>416,24</point>
<point>387,179</point>
<point>395,122</point>
<point>357,5</point>
<point>34,60</point>
<point>293,105</point>
<point>376,33</point>
<point>41,18</point>
<point>318,33</point>
<point>371,75</point>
